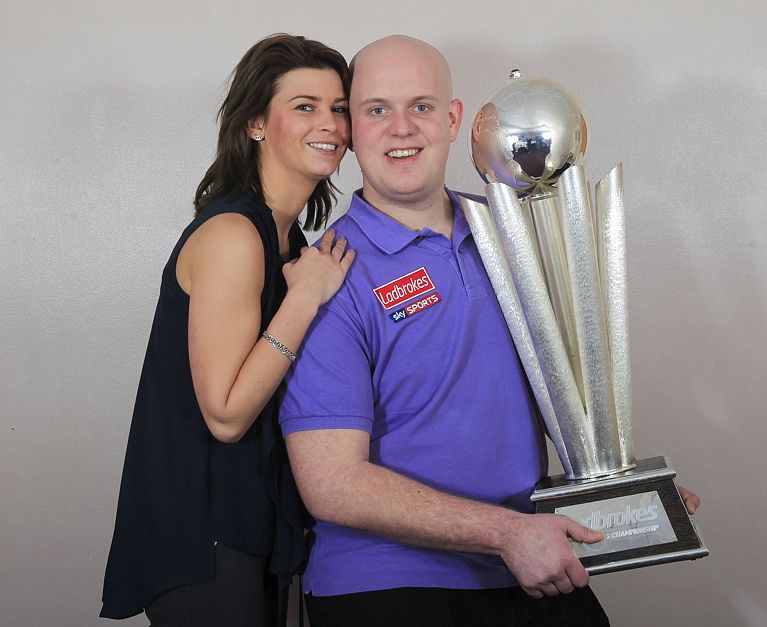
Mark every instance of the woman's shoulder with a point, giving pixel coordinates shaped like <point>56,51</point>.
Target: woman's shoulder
<point>246,202</point>
<point>227,235</point>
<point>235,211</point>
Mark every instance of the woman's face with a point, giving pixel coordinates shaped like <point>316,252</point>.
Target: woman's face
<point>306,132</point>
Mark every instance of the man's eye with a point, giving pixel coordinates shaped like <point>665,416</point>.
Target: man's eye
<point>422,108</point>
<point>377,110</point>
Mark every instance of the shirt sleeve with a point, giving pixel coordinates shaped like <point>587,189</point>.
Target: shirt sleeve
<point>330,384</point>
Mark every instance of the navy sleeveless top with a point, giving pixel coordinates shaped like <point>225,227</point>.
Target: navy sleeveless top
<point>182,490</point>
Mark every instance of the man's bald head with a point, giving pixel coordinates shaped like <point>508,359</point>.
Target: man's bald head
<point>393,51</point>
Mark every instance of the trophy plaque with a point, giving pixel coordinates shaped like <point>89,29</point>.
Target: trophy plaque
<point>557,264</point>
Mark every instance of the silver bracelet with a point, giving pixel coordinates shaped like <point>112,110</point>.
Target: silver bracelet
<point>280,346</point>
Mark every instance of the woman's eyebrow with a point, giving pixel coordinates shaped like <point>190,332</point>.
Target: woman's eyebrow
<point>316,98</point>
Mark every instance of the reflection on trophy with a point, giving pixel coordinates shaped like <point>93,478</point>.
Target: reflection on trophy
<point>557,263</point>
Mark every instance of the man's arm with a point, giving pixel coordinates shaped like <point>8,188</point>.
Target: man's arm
<point>340,485</point>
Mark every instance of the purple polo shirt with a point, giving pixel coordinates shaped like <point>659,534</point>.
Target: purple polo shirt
<point>414,350</point>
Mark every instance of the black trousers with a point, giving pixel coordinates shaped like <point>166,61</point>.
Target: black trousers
<point>241,595</point>
<point>440,607</point>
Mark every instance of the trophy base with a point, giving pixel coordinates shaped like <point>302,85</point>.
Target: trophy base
<point>640,512</point>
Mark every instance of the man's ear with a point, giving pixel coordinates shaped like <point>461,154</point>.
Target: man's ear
<point>455,113</point>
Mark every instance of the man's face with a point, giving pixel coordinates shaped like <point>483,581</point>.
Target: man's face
<point>403,122</point>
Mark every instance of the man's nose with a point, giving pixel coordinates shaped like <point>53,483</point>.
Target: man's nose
<point>401,124</point>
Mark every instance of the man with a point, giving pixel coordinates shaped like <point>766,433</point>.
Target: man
<point>408,420</point>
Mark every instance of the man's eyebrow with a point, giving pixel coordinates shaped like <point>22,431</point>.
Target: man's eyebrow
<point>385,101</point>
<point>375,100</point>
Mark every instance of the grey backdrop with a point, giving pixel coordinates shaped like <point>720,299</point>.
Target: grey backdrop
<point>107,124</point>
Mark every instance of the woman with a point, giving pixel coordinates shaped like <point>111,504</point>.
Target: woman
<point>208,511</point>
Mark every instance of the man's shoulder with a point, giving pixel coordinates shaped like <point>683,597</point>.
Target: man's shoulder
<point>365,255</point>
<point>352,230</point>
<point>344,225</point>
<point>358,238</point>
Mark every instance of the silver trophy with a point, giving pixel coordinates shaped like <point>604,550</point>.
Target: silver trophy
<point>557,263</point>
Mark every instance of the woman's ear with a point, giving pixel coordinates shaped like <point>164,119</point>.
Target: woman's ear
<point>256,129</point>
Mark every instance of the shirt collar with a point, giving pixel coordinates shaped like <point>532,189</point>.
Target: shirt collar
<point>389,235</point>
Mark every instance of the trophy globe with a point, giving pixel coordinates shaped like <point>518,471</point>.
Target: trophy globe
<point>526,134</point>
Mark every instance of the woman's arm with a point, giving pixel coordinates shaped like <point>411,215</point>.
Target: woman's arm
<point>235,371</point>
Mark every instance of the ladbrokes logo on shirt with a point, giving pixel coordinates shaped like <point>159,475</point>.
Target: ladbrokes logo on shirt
<point>404,288</point>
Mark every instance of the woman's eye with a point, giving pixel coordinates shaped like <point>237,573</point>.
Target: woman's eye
<point>342,110</point>
<point>304,107</point>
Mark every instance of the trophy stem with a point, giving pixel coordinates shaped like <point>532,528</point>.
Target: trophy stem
<point>551,245</point>
<point>488,243</point>
<point>589,319</point>
<point>520,252</point>
<point>612,263</point>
